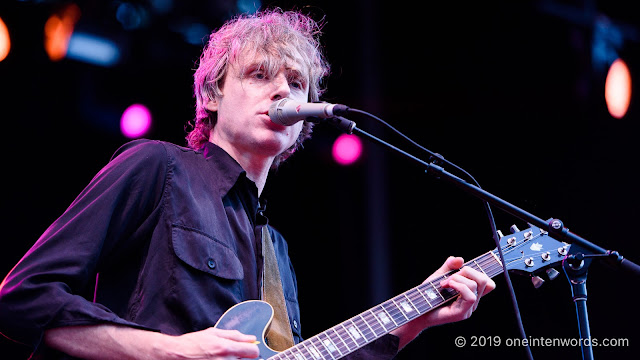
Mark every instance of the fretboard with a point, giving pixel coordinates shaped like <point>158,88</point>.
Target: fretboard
<point>378,321</point>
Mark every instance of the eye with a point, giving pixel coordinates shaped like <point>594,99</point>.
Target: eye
<point>296,83</point>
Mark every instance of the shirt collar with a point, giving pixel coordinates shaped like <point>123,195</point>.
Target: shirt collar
<point>227,168</point>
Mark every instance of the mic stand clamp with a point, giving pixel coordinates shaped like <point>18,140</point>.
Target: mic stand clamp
<point>576,266</point>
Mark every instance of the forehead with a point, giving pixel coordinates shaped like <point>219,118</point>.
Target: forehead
<point>272,61</point>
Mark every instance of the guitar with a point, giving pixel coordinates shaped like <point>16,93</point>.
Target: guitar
<point>526,252</point>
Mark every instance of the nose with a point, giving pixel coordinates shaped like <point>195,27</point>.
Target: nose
<point>281,87</point>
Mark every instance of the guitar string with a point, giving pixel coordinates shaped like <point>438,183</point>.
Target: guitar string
<point>375,328</point>
<point>416,302</point>
<point>490,265</point>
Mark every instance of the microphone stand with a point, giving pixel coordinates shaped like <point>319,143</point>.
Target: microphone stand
<point>580,254</point>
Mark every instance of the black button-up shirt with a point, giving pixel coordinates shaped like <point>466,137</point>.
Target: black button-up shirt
<point>164,238</point>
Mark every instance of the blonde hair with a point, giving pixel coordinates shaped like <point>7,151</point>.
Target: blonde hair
<point>276,36</point>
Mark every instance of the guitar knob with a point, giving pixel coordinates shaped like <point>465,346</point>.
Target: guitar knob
<point>514,229</point>
<point>552,273</point>
<point>537,281</point>
<point>500,236</point>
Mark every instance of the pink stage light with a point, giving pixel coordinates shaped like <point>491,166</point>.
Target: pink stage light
<point>135,121</point>
<point>347,149</point>
<point>617,89</point>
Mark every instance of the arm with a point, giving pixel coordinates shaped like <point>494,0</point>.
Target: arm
<point>52,285</point>
<point>108,341</point>
<point>471,284</point>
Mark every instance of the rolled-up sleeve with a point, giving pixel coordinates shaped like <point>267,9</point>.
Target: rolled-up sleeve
<point>52,285</point>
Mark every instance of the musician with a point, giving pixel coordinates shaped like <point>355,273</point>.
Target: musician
<point>164,239</point>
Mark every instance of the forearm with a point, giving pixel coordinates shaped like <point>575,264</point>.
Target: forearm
<point>409,331</point>
<point>108,341</point>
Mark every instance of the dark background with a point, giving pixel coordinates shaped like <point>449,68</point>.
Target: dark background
<point>511,91</point>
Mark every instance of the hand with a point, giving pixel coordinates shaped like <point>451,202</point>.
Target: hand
<point>469,283</point>
<point>216,344</point>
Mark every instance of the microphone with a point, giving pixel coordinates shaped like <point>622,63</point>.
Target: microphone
<point>288,112</point>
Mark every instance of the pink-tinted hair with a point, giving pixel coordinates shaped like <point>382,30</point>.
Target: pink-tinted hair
<point>276,36</point>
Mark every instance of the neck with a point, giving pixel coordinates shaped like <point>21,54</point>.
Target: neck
<point>256,166</point>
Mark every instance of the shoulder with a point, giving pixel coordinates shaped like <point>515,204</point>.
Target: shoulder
<point>149,150</point>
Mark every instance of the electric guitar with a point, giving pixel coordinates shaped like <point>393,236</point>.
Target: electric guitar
<point>526,252</point>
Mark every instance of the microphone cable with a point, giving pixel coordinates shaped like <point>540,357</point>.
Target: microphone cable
<point>437,157</point>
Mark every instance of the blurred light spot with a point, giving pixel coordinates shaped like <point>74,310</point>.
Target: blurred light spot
<point>195,33</point>
<point>135,121</point>
<point>93,49</point>
<point>5,40</point>
<point>248,6</point>
<point>617,89</point>
<point>347,149</point>
<point>131,16</point>
<point>58,30</point>
<point>161,6</point>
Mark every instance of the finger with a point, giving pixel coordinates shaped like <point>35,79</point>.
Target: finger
<point>484,283</point>
<point>242,350</point>
<point>452,263</point>
<point>471,285</point>
<point>234,344</point>
<point>465,304</point>
<point>234,335</point>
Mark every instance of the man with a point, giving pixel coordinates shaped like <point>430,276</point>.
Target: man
<point>165,239</point>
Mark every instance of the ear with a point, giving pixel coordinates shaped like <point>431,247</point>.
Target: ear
<point>212,105</point>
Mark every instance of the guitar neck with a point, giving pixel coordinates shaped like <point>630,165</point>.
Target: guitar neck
<point>380,320</point>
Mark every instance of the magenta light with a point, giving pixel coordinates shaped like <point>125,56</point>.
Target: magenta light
<point>135,121</point>
<point>347,149</point>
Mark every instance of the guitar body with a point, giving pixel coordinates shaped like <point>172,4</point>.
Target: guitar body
<point>251,317</point>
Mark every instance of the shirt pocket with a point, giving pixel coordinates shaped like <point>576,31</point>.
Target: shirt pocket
<point>203,252</point>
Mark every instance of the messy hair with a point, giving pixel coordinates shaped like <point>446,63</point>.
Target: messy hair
<point>276,36</point>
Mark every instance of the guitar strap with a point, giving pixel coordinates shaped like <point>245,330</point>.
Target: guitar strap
<point>279,336</point>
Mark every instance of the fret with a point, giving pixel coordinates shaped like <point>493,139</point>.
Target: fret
<point>316,350</point>
<point>432,293</point>
<point>316,355</point>
<point>335,331</point>
<point>418,300</point>
<point>355,335</point>
<point>319,345</point>
<point>478,265</point>
<point>388,307</point>
<point>331,347</point>
<point>359,330</point>
<point>436,290</point>
<point>400,308</point>
<point>387,318</point>
<point>377,317</point>
<point>496,258</point>
<point>373,334</point>
<point>349,338</point>
<point>424,296</point>
<point>412,304</point>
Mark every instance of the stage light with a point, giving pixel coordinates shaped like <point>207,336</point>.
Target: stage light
<point>135,121</point>
<point>347,149</point>
<point>58,30</point>
<point>617,89</point>
<point>5,40</point>
<point>93,49</point>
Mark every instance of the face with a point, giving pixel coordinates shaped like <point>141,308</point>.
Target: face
<point>244,128</point>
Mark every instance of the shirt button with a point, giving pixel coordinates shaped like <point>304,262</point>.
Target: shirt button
<point>295,323</point>
<point>211,264</point>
